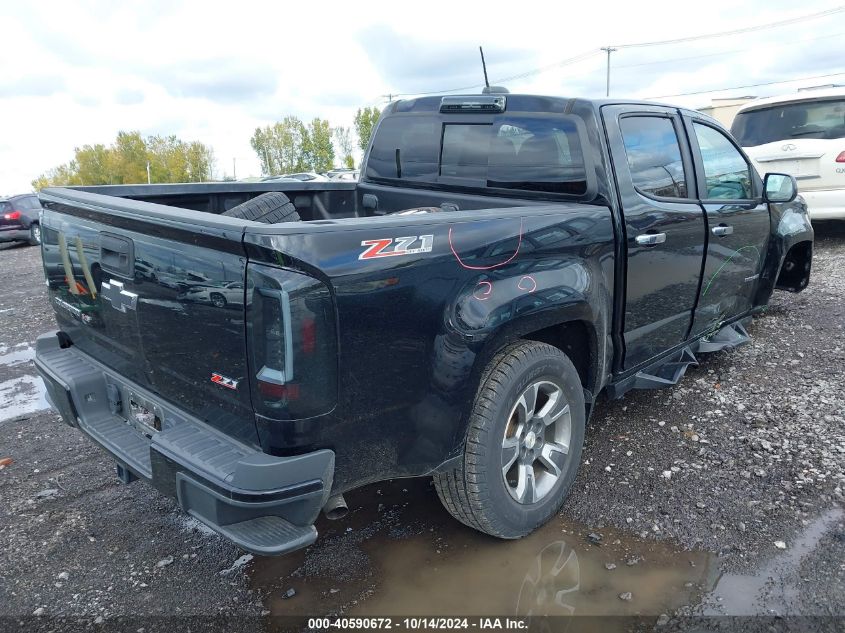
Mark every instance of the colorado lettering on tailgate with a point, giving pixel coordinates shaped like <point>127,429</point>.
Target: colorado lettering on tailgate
<point>394,246</point>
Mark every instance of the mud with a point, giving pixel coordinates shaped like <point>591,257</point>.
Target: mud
<point>399,553</point>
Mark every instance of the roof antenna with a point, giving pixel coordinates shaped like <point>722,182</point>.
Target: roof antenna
<point>484,66</point>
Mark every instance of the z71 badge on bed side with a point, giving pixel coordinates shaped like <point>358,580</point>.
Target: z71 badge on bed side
<point>394,246</point>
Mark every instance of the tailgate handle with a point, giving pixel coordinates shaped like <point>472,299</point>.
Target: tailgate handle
<point>117,254</point>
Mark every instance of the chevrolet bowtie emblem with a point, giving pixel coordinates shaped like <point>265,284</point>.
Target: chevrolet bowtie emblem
<point>120,299</point>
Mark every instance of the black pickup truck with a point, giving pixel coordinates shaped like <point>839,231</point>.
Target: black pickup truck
<point>258,349</point>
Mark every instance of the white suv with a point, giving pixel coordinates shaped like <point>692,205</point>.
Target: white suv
<point>802,134</point>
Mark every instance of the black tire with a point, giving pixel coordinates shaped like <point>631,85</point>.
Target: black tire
<point>217,300</point>
<point>34,234</point>
<point>475,492</point>
<point>272,207</point>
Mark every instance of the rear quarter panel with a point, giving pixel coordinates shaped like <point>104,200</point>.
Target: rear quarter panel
<point>415,330</point>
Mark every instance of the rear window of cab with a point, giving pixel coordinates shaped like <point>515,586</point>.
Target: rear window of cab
<point>541,154</point>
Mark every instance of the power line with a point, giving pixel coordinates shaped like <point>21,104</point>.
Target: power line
<point>747,29</point>
<point>590,53</point>
<point>768,83</point>
<point>719,54</point>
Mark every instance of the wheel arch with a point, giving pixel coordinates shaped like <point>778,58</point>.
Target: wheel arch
<point>792,233</point>
<point>574,332</point>
<point>794,272</point>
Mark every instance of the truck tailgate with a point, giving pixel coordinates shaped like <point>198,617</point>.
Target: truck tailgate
<point>156,294</point>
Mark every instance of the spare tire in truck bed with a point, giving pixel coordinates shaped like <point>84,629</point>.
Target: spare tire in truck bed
<point>270,207</point>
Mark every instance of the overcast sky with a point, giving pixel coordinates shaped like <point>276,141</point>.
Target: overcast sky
<point>74,73</point>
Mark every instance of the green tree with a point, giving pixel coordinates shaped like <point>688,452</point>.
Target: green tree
<point>125,162</point>
<point>282,147</point>
<point>343,139</point>
<point>129,154</point>
<point>93,164</point>
<point>321,150</point>
<point>365,121</point>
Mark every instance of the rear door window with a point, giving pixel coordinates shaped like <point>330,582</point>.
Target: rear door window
<point>654,156</point>
<point>529,153</point>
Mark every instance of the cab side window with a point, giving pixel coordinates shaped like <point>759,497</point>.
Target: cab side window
<point>654,156</point>
<point>727,174</point>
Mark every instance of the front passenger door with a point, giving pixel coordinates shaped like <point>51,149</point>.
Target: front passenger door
<point>737,225</point>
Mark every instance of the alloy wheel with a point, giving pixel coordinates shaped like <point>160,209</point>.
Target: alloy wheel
<point>535,446</point>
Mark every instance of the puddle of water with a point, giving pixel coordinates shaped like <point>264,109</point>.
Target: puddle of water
<point>16,355</point>
<point>775,588</point>
<point>405,555</point>
<point>19,396</point>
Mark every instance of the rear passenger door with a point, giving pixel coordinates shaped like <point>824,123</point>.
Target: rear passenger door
<point>737,222</point>
<point>664,226</point>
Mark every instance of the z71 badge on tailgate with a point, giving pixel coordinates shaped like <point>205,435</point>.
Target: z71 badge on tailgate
<point>395,246</point>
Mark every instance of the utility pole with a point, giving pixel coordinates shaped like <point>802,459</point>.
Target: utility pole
<point>148,173</point>
<point>609,51</point>
<point>234,168</point>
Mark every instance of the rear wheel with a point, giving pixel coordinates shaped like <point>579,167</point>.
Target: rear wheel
<point>523,443</point>
<point>35,234</point>
<point>218,300</point>
<point>271,208</point>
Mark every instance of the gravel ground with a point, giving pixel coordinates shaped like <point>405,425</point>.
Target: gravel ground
<point>747,448</point>
<point>745,453</point>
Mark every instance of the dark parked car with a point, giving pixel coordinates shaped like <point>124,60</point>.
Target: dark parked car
<point>503,260</point>
<point>19,219</point>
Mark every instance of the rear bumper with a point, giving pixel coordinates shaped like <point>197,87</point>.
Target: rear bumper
<point>266,505</point>
<point>13,234</point>
<point>828,204</point>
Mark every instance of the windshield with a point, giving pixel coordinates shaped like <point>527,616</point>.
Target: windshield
<point>801,119</point>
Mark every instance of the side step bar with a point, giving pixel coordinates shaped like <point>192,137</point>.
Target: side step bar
<point>729,336</point>
<point>667,374</point>
<point>668,371</point>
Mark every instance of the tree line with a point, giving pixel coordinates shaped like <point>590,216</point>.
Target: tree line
<point>128,159</point>
<point>290,145</point>
<point>286,146</point>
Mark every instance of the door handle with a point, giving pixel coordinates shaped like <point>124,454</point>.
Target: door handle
<point>722,230</point>
<point>651,239</point>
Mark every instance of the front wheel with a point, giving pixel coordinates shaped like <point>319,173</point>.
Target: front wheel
<point>218,300</point>
<point>523,443</point>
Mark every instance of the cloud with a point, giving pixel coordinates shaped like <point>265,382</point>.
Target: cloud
<point>415,63</point>
<point>39,85</point>
<point>217,80</point>
<point>204,71</point>
<point>129,96</point>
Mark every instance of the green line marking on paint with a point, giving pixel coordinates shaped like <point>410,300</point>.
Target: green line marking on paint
<point>725,263</point>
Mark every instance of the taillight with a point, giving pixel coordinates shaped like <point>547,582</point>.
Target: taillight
<point>841,157</point>
<point>293,344</point>
<point>14,215</point>
<point>309,335</point>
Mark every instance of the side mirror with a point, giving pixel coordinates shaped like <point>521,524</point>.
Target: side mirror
<point>779,188</point>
